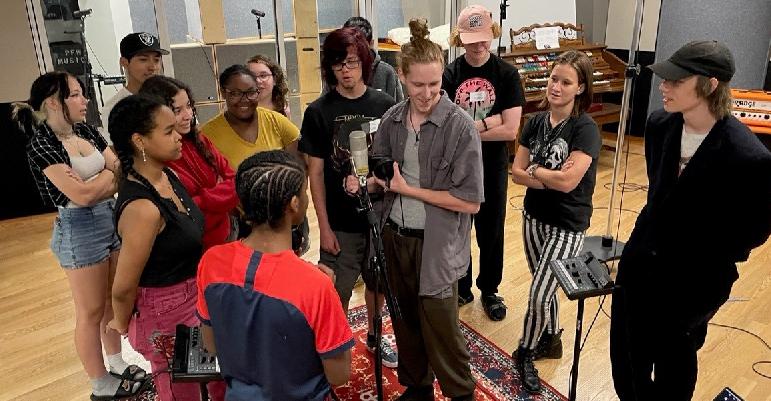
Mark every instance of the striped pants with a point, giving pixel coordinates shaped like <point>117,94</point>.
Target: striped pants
<point>544,243</point>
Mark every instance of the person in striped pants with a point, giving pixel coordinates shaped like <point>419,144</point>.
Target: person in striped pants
<point>557,161</point>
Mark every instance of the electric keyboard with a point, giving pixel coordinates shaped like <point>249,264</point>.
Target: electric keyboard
<point>582,277</point>
<point>191,362</point>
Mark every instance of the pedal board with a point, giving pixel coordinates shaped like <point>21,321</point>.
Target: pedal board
<point>582,277</point>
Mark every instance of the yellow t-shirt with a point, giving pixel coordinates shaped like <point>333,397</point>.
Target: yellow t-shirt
<point>275,131</point>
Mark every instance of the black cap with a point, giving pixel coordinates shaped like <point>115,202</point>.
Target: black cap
<point>706,57</point>
<point>139,42</point>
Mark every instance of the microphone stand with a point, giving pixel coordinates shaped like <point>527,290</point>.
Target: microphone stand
<point>502,16</point>
<point>606,247</point>
<point>377,264</point>
<point>259,26</point>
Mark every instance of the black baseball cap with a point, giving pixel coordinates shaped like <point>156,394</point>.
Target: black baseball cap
<point>135,43</point>
<point>706,57</point>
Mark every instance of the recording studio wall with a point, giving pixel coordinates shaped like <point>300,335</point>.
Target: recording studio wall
<point>743,26</point>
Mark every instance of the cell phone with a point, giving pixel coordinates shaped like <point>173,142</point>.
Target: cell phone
<point>728,395</point>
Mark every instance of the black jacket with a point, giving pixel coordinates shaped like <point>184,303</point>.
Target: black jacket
<point>695,227</point>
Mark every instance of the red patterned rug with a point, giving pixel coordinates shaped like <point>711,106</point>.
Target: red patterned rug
<point>492,368</point>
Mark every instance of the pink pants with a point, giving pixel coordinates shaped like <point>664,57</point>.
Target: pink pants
<point>151,333</point>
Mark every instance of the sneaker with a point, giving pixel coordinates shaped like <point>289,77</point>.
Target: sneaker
<point>389,356</point>
<point>494,307</point>
<point>528,374</point>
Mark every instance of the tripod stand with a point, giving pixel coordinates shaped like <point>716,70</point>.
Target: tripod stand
<point>378,266</point>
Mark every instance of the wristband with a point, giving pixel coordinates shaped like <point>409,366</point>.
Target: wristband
<point>531,170</point>
<point>485,124</point>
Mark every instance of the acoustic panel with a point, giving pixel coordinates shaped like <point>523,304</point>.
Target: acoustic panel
<point>194,65</point>
<point>206,112</point>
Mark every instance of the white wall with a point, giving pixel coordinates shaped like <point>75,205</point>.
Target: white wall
<point>621,24</point>
<point>20,64</point>
<point>521,13</point>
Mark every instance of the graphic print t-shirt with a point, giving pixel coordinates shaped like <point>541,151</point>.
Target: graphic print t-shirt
<point>324,134</point>
<point>484,91</point>
<point>550,148</point>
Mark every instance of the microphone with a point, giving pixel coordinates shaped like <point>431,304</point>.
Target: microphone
<point>82,13</point>
<point>359,153</point>
<point>258,13</point>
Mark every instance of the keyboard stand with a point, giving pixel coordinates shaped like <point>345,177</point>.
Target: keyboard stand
<point>562,271</point>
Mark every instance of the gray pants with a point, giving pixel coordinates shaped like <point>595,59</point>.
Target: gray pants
<point>349,263</point>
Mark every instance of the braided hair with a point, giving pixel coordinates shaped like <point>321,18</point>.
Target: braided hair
<point>164,89</point>
<point>134,114</point>
<point>266,183</point>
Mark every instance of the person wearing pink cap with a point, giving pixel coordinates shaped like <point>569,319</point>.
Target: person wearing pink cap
<point>488,88</point>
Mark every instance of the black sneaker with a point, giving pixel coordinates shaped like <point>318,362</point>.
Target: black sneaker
<point>528,374</point>
<point>388,355</point>
<point>494,307</point>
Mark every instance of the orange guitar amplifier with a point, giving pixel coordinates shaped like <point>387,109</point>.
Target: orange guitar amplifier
<point>751,100</point>
<point>753,108</point>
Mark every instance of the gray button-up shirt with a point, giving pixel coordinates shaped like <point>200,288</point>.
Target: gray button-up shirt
<point>450,156</point>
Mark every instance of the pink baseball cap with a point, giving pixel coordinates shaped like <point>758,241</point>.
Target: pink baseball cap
<point>475,24</point>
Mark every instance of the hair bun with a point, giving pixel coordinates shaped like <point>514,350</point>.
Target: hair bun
<point>419,29</point>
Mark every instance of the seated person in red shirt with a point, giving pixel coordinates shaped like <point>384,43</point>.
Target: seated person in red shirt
<point>274,320</point>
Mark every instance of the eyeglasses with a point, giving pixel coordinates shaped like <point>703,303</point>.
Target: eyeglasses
<point>350,64</point>
<point>237,96</point>
<point>263,76</point>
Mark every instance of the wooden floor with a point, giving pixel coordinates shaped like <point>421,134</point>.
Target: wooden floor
<point>38,361</point>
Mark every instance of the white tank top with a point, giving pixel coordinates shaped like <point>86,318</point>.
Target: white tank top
<point>87,167</point>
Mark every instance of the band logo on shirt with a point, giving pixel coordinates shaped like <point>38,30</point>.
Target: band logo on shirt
<point>476,96</point>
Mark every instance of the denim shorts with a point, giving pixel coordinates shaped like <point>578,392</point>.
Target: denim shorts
<point>85,236</point>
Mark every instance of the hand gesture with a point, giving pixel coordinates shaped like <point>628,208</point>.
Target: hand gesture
<point>398,184</point>
<point>328,241</point>
<point>351,184</point>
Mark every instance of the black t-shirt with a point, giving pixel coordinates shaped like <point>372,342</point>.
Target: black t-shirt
<point>178,248</point>
<point>485,91</point>
<point>324,134</point>
<point>550,148</point>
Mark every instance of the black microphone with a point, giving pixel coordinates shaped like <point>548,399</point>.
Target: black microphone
<point>82,13</point>
<point>258,13</point>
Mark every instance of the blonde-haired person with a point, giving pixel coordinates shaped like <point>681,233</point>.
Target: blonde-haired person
<point>488,88</point>
<point>557,162</point>
<point>426,217</point>
<point>74,170</point>
<point>708,207</point>
<point>271,82</point>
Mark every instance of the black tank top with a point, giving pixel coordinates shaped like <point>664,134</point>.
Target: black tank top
<point>178,248</point>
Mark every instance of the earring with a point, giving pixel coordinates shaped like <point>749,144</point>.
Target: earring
<point>144,156</point>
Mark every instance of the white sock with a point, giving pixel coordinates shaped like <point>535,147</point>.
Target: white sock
<point>117,364</point>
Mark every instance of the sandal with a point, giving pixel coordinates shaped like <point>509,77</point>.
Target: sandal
<point>127,388</point>
<point>132,372</point>
<point>465,299</point>
<point>494,307</point>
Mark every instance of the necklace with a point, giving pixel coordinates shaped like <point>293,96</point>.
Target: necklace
<point>417,131</point>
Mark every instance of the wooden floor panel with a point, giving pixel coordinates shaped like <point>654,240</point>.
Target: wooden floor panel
<point>38,360</point>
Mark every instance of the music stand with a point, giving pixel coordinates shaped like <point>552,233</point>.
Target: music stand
<point>582,277</point>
